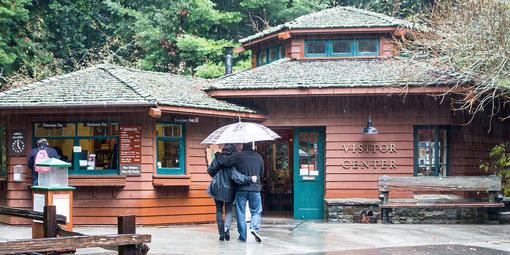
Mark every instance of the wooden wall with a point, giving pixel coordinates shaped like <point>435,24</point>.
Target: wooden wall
<point>395,118</point>
<point>151,204</point>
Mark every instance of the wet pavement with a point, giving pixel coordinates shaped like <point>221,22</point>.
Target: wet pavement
<point>296,237</point>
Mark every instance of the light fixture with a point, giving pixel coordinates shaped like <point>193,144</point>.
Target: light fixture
<point>369,130</point>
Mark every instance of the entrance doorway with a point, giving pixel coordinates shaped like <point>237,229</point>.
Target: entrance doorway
<point>278,180</point>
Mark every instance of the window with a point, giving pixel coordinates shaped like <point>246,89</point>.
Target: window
<point>342,48</point>
<point>3,152</point>
<point>269,55</point>
<point>91,147</point>
<point>170,148</point>
<point>431,151</point>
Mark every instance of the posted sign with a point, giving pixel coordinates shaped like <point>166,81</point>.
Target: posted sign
<point>130,150</point>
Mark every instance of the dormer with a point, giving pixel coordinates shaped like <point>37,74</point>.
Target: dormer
<point>335,33</point>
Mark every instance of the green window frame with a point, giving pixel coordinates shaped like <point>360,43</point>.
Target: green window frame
<point>161,137</point>
<point>279,52</point>
<point>76,137</point>
<point>354,44</point>
<point>3,151</point>
<point>431,158</point>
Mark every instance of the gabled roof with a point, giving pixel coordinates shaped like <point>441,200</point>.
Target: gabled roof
<point>108,85</point>
<point>290,73</point>
<point>338,17</point>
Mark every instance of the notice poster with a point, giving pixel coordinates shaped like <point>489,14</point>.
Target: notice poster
<point>210,151</point>
<point>130,159</point>
<point>62,202</point>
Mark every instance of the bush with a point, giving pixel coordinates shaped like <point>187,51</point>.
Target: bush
<point>499,164</point>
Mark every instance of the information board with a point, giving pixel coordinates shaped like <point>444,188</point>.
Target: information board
<point>130,150</point>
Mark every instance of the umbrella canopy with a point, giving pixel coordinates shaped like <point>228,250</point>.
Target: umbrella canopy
<point>241,132</point>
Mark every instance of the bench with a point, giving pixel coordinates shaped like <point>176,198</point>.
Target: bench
<point>490,184</point>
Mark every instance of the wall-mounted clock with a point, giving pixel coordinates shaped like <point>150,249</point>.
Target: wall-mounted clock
<point>18,146</point>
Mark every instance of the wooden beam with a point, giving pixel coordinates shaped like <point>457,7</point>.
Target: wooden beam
<point>239,49</point>
<point>50,221</point>
<point>127,225</point>
<point>433,183</point>
<point>171,180</point>
<point>29,214</point>
<point>66,243</point>
<point>327,91</point>
<point>155,113</point>
<point>208,112</point>
<point>284,35</point>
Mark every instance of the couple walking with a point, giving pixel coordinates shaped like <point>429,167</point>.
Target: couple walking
<point>236,177</point>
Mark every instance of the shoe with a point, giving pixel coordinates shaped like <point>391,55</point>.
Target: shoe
<point>227,235</point>
<point>222,238</point>
<point>256,235</point>
<point>241,240</point>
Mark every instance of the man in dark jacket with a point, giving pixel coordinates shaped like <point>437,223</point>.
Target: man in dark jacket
<point>42,144</point>
<point>221,189</point>
<point>249,163</point>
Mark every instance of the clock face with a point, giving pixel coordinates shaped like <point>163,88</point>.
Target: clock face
<point>18,146</point>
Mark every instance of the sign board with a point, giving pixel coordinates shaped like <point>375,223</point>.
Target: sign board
<point>16,143</point>
<point>186,119</point>
<point>130,150</point>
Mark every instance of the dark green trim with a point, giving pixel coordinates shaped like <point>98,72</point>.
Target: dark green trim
<point>266,60</point>
<point>354,48</point>
<point>52,188</point>
<point>76,142</point>
<point>436,129</point>
<point>182,150</point>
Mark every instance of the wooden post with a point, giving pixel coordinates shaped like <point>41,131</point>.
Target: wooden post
<point>50,221</point>
<point>127,225</point>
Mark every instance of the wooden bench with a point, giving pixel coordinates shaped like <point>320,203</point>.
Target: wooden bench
<point>125,242</point>
<point>490,184</point>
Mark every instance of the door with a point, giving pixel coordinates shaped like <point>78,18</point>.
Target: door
<point>308,173</point>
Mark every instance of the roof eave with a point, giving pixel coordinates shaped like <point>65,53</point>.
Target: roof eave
<point>300,31</point>
<point>350,91</point>
<point>211,112</point>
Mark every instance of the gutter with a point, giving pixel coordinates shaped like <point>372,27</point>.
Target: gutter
<point>68,106</point>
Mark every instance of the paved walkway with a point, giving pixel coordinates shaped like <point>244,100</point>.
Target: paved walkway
<point>311,237</point>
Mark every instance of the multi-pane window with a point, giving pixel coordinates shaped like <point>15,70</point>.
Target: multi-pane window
<point>431,151</point>
<point>90,146</point>
<point>170,148</point>
<point>342,48</point>
<point>268,55</point>
<point>3,151</point>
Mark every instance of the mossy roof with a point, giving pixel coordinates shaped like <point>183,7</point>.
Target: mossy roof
<point>338,17</point>
<point>107,84</point>
<point>290,73</point>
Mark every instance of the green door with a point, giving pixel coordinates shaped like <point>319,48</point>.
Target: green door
<point>308,173</point>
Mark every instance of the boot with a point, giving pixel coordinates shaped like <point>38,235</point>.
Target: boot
<point>221,231</point>
<point>227,234</point>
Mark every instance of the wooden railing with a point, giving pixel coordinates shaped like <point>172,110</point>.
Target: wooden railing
<point>126,242</point>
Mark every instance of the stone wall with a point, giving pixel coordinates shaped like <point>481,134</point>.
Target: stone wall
<point>349,211</point>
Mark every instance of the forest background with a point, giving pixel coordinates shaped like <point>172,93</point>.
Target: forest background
<point>44,38</point>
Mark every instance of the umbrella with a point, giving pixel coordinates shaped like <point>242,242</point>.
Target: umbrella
<point>241,132</point>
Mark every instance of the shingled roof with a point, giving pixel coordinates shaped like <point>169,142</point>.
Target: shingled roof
<point>338,17</point>
<point>290,73</point>
<point>107,84</point>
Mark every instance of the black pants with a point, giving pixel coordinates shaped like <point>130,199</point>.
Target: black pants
<point>223,225</point>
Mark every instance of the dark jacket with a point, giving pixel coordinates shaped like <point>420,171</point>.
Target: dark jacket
<point>221,187</point>
<point>249,163</point>
<point>52,153</point>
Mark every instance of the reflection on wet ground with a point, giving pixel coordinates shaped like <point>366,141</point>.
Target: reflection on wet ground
<point>449,249</point>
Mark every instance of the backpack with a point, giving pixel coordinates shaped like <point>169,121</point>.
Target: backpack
<point>41,156</point>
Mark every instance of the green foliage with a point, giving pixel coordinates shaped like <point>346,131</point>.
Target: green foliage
<point>499,164</point>
<point>43,38</point>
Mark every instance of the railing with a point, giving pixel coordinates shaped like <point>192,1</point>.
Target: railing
<point>126,242</point>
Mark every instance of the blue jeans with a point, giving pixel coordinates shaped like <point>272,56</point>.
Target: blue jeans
<point>255,203</point>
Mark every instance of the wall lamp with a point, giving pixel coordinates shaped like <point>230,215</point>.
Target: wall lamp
<point>369,130</point>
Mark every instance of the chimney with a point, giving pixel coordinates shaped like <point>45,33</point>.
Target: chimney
<point>228,59</point>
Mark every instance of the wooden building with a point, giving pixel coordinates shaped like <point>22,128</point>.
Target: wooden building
<point>315,81</point>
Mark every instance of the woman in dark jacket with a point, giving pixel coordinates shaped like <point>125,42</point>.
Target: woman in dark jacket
<point>222,190</point>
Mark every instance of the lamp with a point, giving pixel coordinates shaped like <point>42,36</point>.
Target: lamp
<point>369,130</point>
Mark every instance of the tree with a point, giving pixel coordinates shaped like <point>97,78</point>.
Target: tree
<point>470,38</point>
